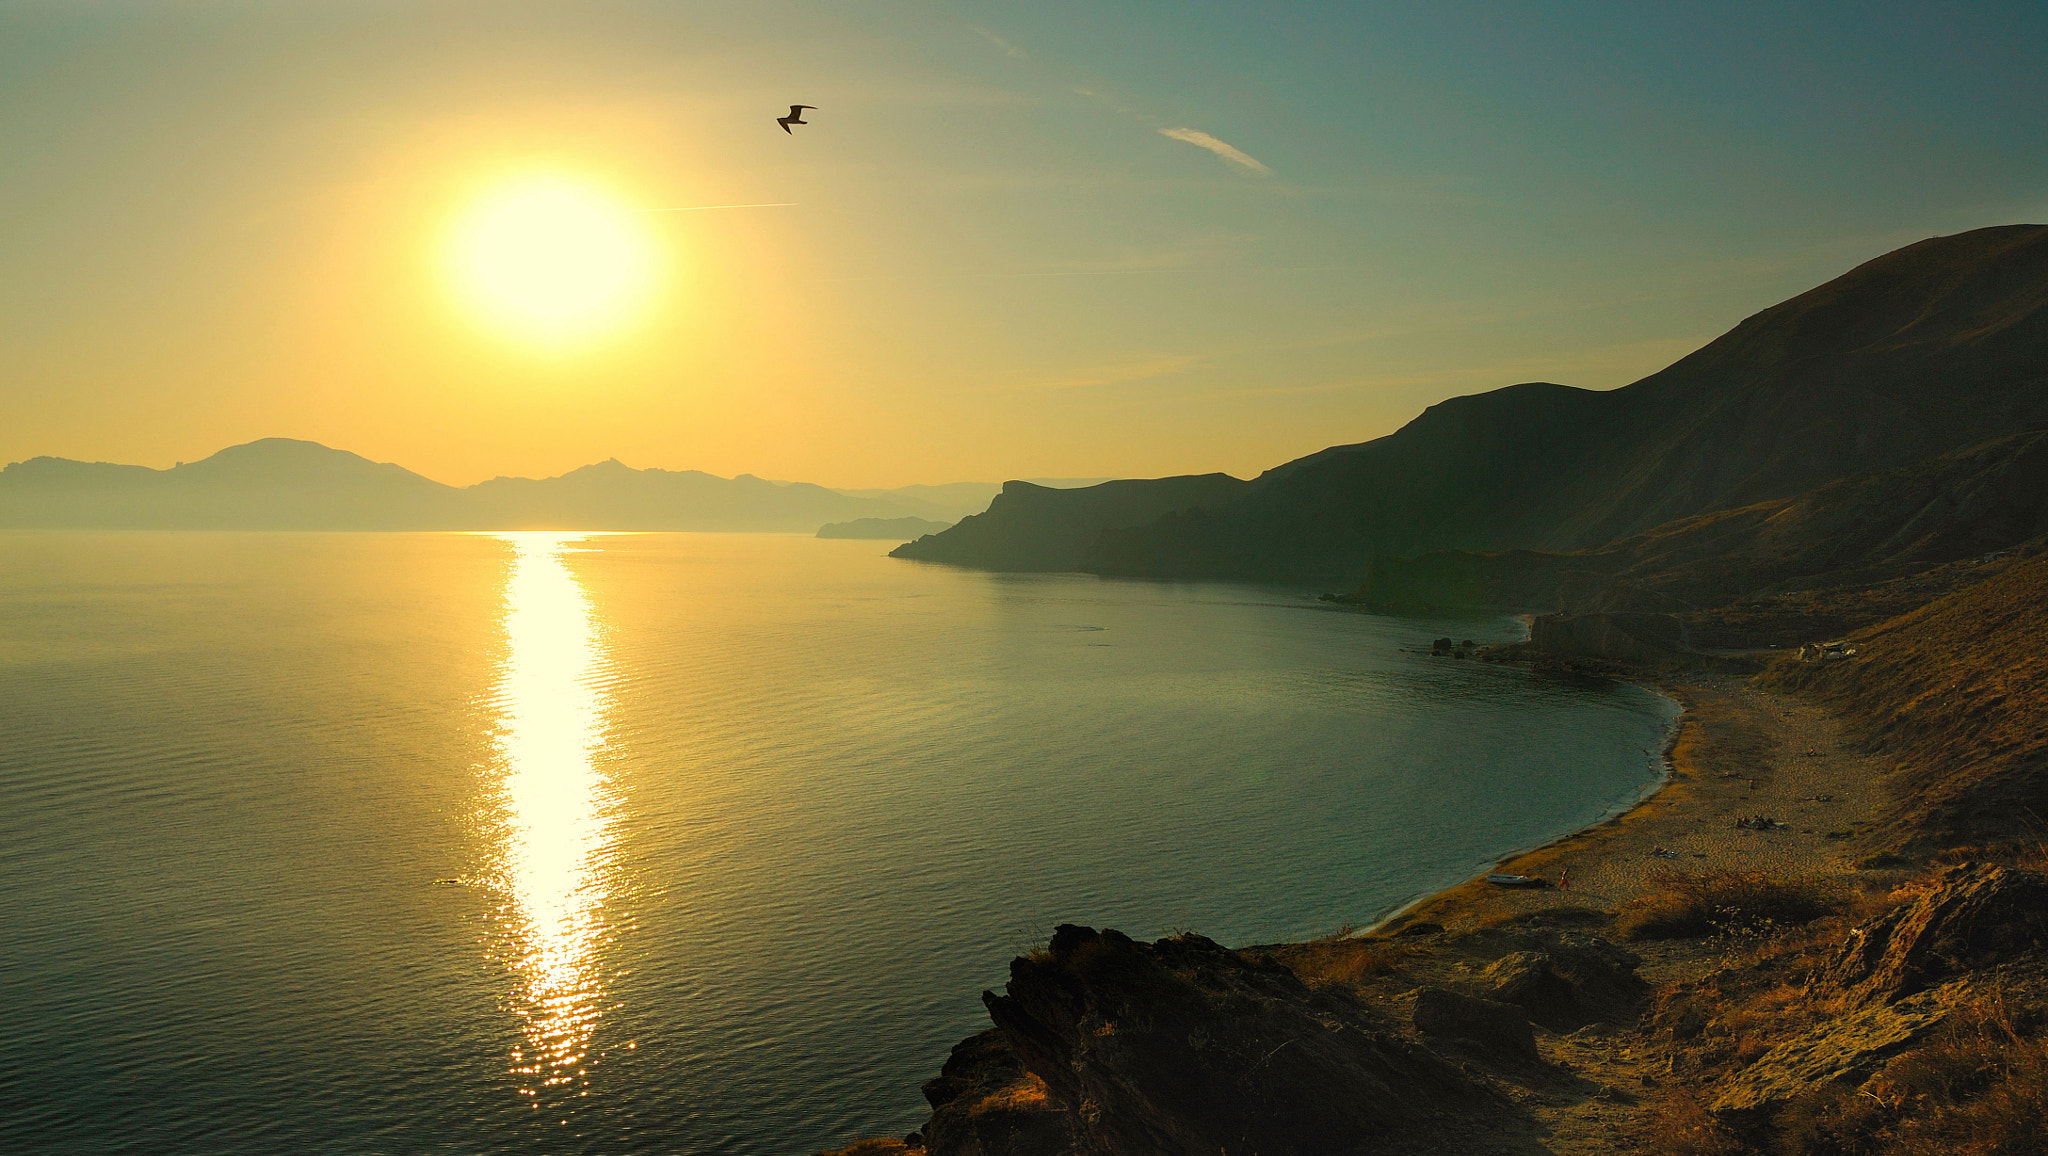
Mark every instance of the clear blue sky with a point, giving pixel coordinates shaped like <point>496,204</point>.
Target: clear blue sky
<point>1108,238</point>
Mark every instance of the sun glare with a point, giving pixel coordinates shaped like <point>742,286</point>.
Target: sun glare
<point>553,260</point>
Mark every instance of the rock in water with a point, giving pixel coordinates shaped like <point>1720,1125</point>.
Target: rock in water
<point>1178,1047</point>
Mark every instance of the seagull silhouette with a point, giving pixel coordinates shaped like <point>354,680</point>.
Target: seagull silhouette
<point>796,116</point>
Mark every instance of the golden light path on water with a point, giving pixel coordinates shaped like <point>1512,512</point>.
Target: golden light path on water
<point>556,841</point>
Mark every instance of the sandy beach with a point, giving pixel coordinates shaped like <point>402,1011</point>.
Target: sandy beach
<point>1738,753</point>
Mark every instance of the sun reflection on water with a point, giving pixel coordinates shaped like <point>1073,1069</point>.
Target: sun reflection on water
<point>556,842</point>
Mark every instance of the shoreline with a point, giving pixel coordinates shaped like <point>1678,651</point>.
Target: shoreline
<point>1667,773</point>
<point>1736,751</point>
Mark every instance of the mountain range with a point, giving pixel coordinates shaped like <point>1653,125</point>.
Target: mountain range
<point>286,484</point>
<point>1925,351</point>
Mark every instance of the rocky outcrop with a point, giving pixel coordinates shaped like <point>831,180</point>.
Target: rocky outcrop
<point>1979,916</point>
<point>1846,1050</point>
<point>1894,981</point>
<point>1030,527</point>
<point>985,1104</point>
<point>1105,1045</point>
<point>1529,980</point>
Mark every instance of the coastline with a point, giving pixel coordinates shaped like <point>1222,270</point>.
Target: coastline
<point>1738,751</point>
<point>1519,861</point>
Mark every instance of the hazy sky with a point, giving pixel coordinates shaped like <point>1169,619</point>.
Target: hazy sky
<point>1057,238</point>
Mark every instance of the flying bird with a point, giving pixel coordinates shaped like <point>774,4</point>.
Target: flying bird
<point>796,116</point>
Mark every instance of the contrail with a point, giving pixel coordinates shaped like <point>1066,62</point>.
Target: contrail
<point>697,208</point>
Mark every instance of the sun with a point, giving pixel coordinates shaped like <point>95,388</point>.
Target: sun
<point>553,260</point>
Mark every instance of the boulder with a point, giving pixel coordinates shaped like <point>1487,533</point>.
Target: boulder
<point>1602,973</point>
<point>1529,980</point>
<point>1493,1030</point>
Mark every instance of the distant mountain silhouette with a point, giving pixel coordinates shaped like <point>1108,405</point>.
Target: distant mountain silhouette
<point>1926,350</point>
<point>881,529</point>
<point>285,484</point>
<point>275,483</point>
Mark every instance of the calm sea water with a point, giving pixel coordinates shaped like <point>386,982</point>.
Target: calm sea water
<point>672,843</point>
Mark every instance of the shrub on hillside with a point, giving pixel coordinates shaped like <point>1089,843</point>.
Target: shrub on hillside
<point>1690,904</point>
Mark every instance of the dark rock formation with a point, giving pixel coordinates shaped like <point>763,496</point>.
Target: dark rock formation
<point>1894,981</point>
<point>1031,527</point>
<point>1105,1045</point>
<point>1491,1030</point>
<point>1599,975</point>
<point>985,1104</point>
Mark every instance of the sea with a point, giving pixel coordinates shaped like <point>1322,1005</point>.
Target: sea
<point>556,843</point>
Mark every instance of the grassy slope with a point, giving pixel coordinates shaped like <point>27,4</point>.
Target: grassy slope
<point>1957,692</point>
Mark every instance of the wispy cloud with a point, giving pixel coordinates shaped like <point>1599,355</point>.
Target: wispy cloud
<point>1201,140</point>
<point>1003,46</point>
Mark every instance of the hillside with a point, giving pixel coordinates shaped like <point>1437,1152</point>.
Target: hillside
<point>1956,693</point>
<point>1924,351</point>
<point>1842,556</point>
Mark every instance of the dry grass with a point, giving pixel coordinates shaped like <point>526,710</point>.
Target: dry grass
<point>1679,1126</point>
<point>1343,957</point>
<point>1691,904</point>
<point>1979,1089</point>
<point>1957,692</point>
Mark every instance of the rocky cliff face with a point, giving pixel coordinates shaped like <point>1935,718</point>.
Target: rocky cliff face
<point>1105,1045</point>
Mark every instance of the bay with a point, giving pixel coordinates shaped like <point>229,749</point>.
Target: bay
<point>636,843</point>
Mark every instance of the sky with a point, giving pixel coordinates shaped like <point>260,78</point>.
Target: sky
<point>1111,238</point>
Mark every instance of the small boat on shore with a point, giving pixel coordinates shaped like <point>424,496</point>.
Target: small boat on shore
<point>1515,880</point>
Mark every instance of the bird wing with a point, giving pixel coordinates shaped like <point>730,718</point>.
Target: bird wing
<point>798,109</point>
